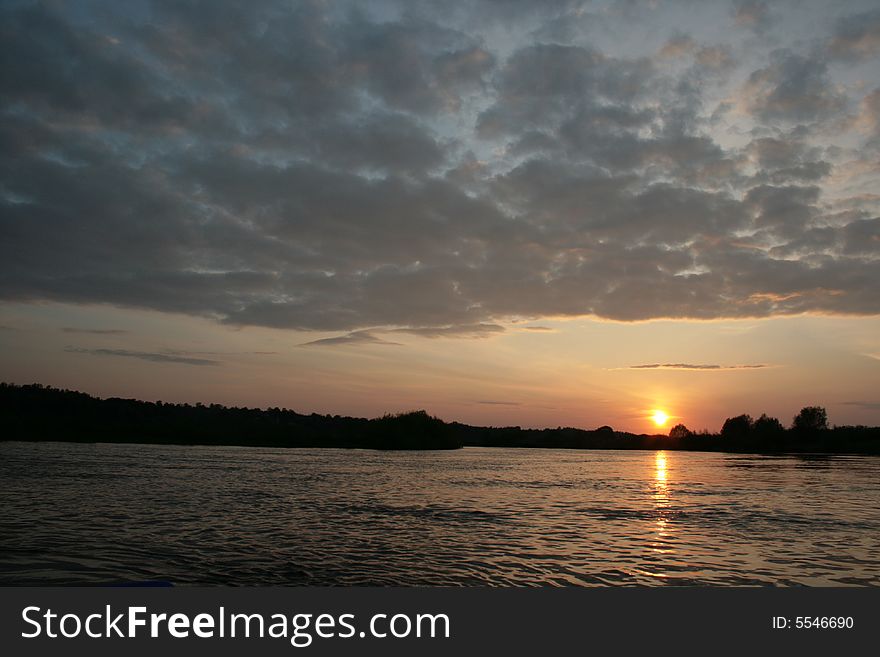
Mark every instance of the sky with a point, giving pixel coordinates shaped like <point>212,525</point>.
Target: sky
<point>562,213</point>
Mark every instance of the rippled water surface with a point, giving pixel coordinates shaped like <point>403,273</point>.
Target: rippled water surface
<point>203,515</point>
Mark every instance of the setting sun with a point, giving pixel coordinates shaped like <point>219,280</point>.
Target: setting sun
<point>659,418</point>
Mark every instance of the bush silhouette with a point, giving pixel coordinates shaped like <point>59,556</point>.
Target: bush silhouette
<point>766,426</point>
<point>737,427</point>
<point>679,431</point>
<point>413,430</point>
<point>811,418</point>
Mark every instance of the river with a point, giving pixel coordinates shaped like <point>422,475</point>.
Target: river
<point>114,513</point>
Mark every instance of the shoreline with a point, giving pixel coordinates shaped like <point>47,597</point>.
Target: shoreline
<point>491,447</point>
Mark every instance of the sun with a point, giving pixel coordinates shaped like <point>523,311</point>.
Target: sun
<point>659,418</point>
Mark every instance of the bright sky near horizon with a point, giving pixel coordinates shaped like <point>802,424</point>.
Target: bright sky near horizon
<point>537,214</point>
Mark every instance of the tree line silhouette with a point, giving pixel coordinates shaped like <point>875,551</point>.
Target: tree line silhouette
<point>36,412</point>
<point>809,431</point>
<point>41,413</point>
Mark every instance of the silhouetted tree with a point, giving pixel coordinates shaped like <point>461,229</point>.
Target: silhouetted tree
<point>737,427</point>
<point>679,431</point>
<point>766,426</point>
<point>811,418</point>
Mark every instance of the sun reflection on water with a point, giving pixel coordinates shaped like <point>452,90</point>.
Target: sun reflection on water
<point>661,503</point>
<point>660,473</point>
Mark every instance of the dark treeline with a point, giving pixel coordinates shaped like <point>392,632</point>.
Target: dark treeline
<point>36,412</point>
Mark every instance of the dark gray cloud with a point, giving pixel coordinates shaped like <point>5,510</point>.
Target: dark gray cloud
<point>856,36</point>
<point>862,237</point>
<point>688,366</point>
<point>583,80</point>
<point>150,356</point>
<point>793,88</point>
<point>506,13</point>
<point>784,160</point>
<point>787,210</point>
<point>366,168</point>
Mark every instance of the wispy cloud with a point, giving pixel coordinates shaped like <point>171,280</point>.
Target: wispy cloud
<point>691,366</point>
<point>539,329</point>
<point>150,356</point>
<point>94,331</point>
<point>454,331</point>
<point>371,336</point>
<point>353,338</point>
<point>492,402</point>
<point>178,352</point>
<point>867,405</point>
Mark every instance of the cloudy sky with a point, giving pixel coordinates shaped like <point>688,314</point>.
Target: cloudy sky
<point>507,212</point>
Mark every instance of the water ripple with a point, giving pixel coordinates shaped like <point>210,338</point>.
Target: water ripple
<point>97,514</point>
